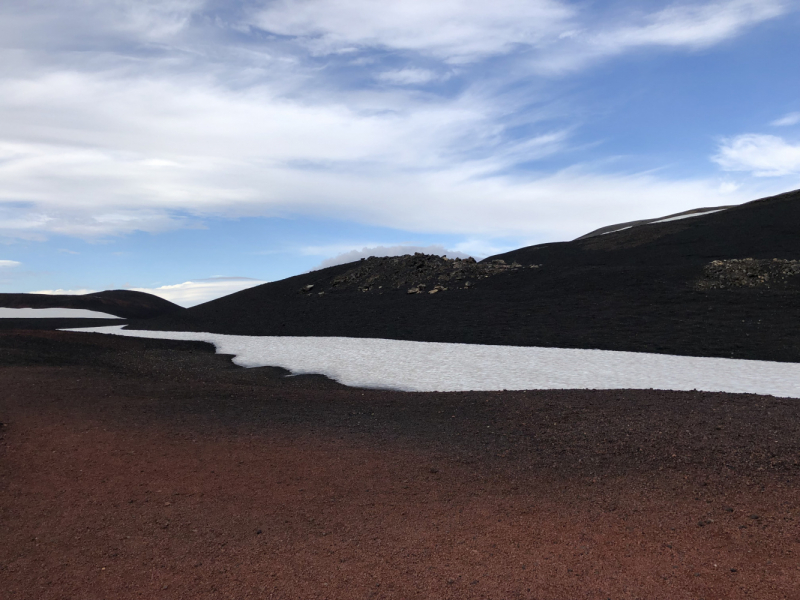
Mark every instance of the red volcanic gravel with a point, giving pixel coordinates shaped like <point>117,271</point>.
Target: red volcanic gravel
<point>135,468</point>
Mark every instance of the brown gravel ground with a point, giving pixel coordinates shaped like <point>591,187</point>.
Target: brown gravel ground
<point>137,468</point>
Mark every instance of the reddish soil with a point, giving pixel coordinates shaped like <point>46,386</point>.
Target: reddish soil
<point>137,468</point>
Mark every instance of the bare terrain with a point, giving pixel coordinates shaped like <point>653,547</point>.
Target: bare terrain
<point>135,468</point>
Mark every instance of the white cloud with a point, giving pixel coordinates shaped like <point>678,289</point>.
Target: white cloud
<point>696,25</point>
<point>89,24</point>
<point>763,155</point>
<point>451,30</point>
<point>480,249</point>
<point>60,292</point>
<point>191,293</point>
<point>787,120</point>
<point>144,116</point>
<point>358,254</point>
<point>683,25</point>
<point>407,76</point>
<point>9,263</point>
<point>728,187</point>
<point>561,35</point>
<point>462,31</point>
<point>171,146</point>
<point>179,148</point>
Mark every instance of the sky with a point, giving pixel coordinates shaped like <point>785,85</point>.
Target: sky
<point>193,148</point>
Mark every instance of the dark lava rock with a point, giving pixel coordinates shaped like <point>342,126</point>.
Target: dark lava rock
<point>417,273</point>
<point>750,272</point>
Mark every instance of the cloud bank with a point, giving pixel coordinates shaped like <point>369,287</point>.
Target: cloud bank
<point>191,293</point>
<point>144,116</point>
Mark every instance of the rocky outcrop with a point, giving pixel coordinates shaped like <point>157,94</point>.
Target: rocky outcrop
<point>750,273</point>
<point>413,274</point>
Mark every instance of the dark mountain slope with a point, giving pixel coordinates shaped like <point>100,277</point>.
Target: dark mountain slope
<point>767,228</point>
<point>125,304</point>
<point>672,217</point>
<point>650,288</point>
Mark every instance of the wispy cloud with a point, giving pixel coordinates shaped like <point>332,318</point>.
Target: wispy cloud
<point>407,76</point>
<point>454,30</point>
<point>690,26</point>
<point>556,35</point>
<point>695,25</point>
<point>763,155</point>
<point>432,166</point>
<point>61,292</point>
<point>149,116</point>
<point>5,264</point>
<point>481,248</point>
<point>191,293</point>
<point>787,120</point>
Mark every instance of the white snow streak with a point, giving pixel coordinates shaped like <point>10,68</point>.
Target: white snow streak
<point>679,217</point>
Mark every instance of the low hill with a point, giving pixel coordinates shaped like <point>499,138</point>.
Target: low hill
<point>713,282</point>
<point>125,304</point>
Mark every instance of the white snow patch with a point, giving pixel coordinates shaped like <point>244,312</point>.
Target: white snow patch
<point>679,217</point>
<point>429,367</point>
<point>616,230</point>
<point>53,313</point>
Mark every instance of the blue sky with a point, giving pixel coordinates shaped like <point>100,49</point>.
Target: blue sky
<point>193,147</point>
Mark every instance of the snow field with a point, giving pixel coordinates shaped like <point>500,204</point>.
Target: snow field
<point>428,366</point>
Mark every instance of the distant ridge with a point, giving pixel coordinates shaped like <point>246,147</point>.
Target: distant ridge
<point>125,304</point>
<point>695,212</point>
<point>723,284</point>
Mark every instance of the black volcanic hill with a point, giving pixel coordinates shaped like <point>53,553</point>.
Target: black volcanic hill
<point>723,284</point>
<point>125,304</point>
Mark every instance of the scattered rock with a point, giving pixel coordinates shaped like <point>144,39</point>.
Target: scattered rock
<point>749,273</point>
<point>418,273</point>
<point>705,522</point>
<point>307,288</point>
